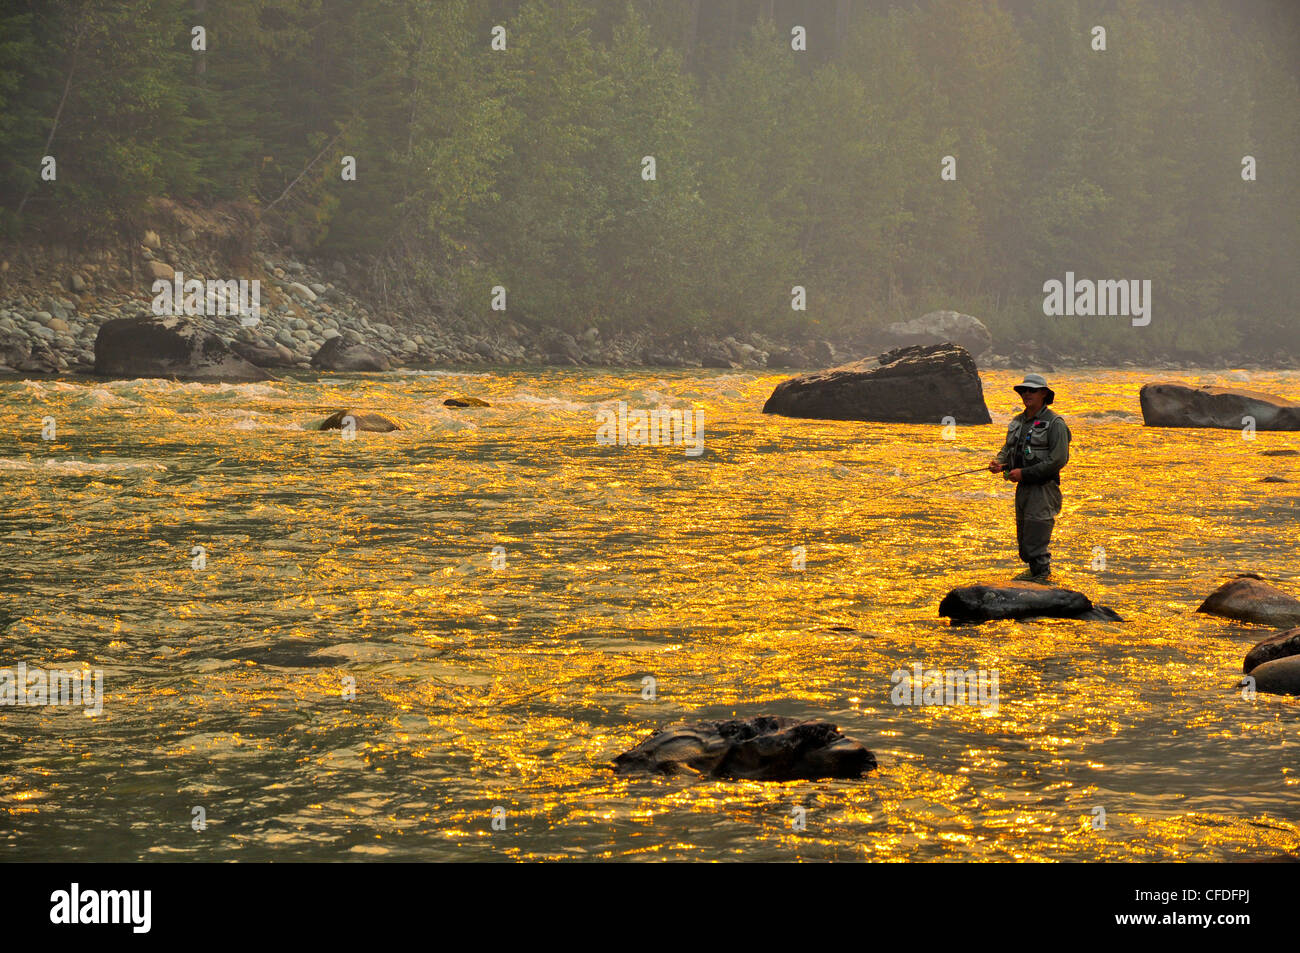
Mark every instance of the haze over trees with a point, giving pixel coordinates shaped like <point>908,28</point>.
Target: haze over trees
<point>523,167</point>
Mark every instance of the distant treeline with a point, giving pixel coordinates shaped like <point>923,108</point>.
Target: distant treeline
<point>772,167</point>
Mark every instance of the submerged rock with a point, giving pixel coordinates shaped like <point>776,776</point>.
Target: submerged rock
<point>465,402</point>
<point>1170,404</point>
<point>908,385</point>
<point>1247,598</point>
<point>154,346</point>
<point>1281,645</point>
<point>765,748</point>
<point>372,423</point>
<point>1020,600</point>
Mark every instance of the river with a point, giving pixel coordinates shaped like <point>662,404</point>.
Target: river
<point>383,639</point>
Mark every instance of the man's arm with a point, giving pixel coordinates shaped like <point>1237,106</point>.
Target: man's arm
<point>1003,459</point>
<point>1058,455</point>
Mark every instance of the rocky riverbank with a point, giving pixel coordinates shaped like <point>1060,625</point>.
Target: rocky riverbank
<point>52,305</point>
<point>50,315</point>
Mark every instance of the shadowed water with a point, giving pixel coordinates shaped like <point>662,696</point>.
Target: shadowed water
<point>512,680</point>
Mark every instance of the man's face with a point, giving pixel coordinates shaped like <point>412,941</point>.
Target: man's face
<point>1033,399</point>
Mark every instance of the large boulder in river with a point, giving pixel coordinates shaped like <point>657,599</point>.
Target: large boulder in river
<point>915,385</point>
<point>1247,598</point>
<point>371,423</point>
<point>168,346</point>
<point>1020,600</point>
<point>765,748</point>
<point>1170,404</point>
<point>937,327</point>
<point>346,353</point>
<point>1280,645</point>
<point>1279,677</point>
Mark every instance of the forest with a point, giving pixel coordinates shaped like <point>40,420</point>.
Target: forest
<point>888,157</point>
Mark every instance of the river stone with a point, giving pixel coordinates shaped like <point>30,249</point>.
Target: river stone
<point>1020,600</point>
<point>908,385</point>
<point>156,270</point>
<point>1279,677</point>
<point>302,291</point>
<point>14,349</point>
<point>42,359</point>
<point>345,354</point>
<point>1248,598</point>
<point>372,423</point>
<point>936,328</point>
<point>1279,453</point>
<point>465,402</point>
<point>263,355</point>
<point>1281,645</point>
<point>765,748</point>
<point>1170,404</point>
<point>154,346</point>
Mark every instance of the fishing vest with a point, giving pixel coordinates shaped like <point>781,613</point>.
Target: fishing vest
<point>1029,439</point>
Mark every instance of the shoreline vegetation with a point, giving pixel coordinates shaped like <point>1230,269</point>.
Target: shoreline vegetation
<point>660,182</point>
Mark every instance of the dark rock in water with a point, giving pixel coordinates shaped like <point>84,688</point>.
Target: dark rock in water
<point>372,423</point>
<point>261,356</point>
<point>1248,598</point>
<point>1170,404</point>
<point>763,748</point>
<point>1279,453</point>
<point>347,354</point>
<point>1281,645</point>
<point>465,402</point>
<point>1020,600</point>
<point>1274,479</point>
<point>154,346</point>
<point>909,385</point>
<point>1279,677</point>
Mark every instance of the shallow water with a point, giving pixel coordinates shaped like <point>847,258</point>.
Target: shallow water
<point>510,681</point>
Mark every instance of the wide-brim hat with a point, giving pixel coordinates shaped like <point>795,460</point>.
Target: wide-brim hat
<point>1036,382</point>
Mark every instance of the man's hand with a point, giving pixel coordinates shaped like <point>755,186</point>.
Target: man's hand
<point>996,467</point>
<point>1014,476</point>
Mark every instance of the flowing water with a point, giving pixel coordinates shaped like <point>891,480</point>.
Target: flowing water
<point>508,677</point>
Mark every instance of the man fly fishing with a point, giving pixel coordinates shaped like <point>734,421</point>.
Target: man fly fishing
<point>1036,449</point>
